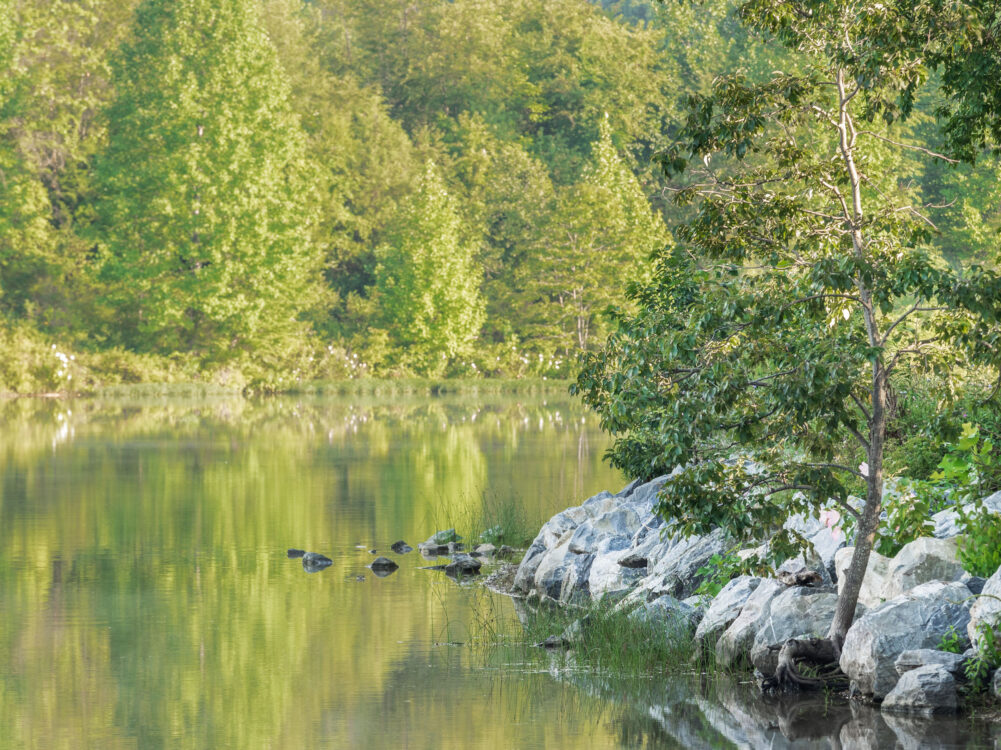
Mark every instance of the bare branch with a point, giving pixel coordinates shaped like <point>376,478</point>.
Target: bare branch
<point>923,150</point>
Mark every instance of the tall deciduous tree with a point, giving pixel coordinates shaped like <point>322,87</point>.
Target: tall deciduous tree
<point>764,358</point>
<point>601,230</point>
<point>204,188</point>
<point>426,280</point>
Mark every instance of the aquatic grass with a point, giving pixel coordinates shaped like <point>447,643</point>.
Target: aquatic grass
<point>495,517</point>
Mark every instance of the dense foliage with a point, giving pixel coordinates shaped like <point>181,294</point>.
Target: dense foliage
<point>775,348</point>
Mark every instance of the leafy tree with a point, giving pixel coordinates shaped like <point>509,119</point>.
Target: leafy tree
<point>602,228</point>
<point>204,189</point>
<point>427,283</point>
<point>764,357</point>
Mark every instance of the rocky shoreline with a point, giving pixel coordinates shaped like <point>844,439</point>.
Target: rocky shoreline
<point>614,549</point>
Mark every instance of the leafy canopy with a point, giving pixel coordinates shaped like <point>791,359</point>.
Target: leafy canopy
<point>765,352</point>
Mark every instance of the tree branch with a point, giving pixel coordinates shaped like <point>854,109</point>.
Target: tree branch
<point>923,150</point>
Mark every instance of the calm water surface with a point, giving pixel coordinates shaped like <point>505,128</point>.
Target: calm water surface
<point>147,600</point>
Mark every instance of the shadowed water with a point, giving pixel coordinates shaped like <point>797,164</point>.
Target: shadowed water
<point>149,601</point>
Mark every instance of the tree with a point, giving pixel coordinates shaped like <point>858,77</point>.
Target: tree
<point>427,284</point>
<point>204,190</point>
<point>765,354</point>
<point>602,227</point>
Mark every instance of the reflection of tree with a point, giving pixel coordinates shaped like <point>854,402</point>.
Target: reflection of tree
<point>146,597</point>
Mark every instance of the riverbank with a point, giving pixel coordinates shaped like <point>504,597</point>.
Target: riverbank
<point>924,640</point>
<point>360,387</point>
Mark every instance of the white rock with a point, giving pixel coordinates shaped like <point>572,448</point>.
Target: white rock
<point>917,619</point>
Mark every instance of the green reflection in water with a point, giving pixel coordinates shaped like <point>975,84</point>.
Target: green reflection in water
<point>147,600</point>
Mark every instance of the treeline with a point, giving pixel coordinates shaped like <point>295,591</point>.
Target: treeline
<point>269,191</point>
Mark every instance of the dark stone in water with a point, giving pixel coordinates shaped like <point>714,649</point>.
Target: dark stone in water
<point>383,566</point>
<point>463,565</point>
<point>373,552</point>
<point>294,553</point>
<point>314,561</point>
<point>401,547</point>
<point>359,578</point>
<point>440,543</point>
<point>553,642</point>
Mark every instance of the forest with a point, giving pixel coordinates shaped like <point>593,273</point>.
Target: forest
<point>259,193</point>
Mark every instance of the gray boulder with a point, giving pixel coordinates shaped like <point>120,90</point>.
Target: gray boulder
<point>734,646</point>
<point>797,612</point>
<point>917,619</point>
<point>724,609</point>
<point>925,657</point>
<point>676,574</point>
<point>876,572</point>
<point>947,521</point>
<point>825,541</point>
<point>609,577</point>
<point>925,559</point>
<point>463,565</point>
<point>986,610</point>
<point>930,689</point>
<point>667,613</point>
<point>609,532</point>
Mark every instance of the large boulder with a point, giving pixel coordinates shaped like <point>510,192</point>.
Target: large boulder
<point>797,612</point>
<point>677,573</point>
<point>825,541</point>
<point>876,572</point>
<point>608,577</point>
<point>601,525</point>
<point>925,559</point>
<point>925,657</point>
<point>724,609</point>
<point>917,619</point>
<point>734,646</point>
<point>930,689</point>
<point>986,611</point>
<point>675,618</point>
<point>947,521</point>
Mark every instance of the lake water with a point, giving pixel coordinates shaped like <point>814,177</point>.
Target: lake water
<point>147,600</point>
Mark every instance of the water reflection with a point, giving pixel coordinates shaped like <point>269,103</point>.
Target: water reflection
<point>699,711</point>
<point>148,597</point>
<point>149,600</point>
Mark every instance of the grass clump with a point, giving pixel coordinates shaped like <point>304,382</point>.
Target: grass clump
<point>608,638</point>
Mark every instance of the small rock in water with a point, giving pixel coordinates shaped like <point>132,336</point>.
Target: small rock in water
<point>373,552</point>
<point>553,642</point>
<point>294,553</point>
<point>505,551</point>
<point>314,561</point>
<point>463,565</point>
<point>359,578</point>
<point>401,547</point>
<point>440,542</point>
<point>383,566</point>
<point>486,550</point>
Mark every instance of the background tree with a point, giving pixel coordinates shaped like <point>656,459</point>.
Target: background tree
<point>204,192</point>
<point>765,358</point>
<point>601,230</point>
<point>427,283</point>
